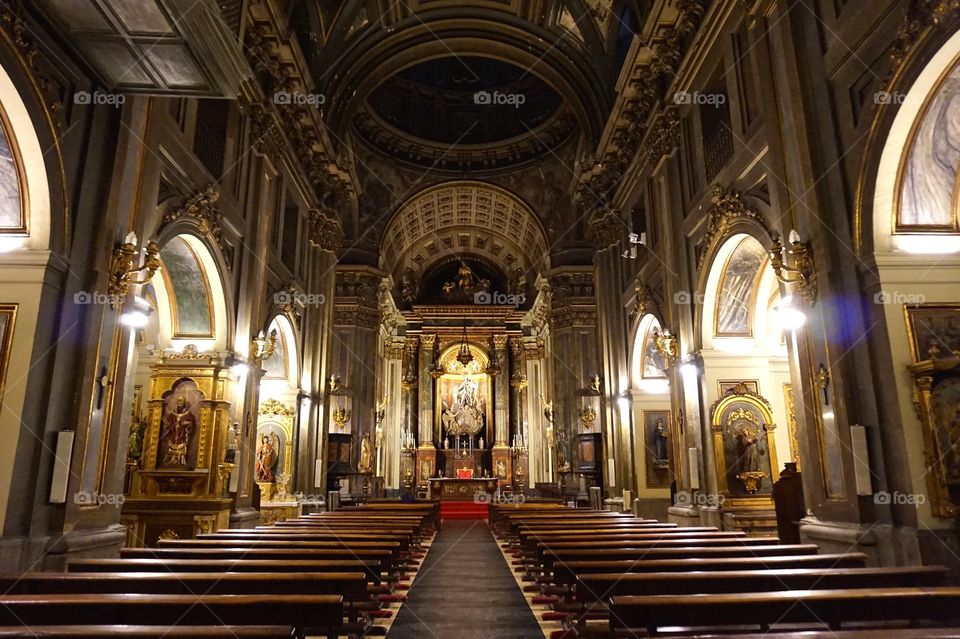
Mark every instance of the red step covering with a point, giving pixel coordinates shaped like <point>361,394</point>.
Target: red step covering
<point>463,510</point>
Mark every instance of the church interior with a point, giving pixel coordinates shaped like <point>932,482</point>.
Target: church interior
<point>480,318</point>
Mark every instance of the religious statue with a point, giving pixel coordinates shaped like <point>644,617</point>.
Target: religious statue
<point>267,458</point>
<point>464,286</point>
<point>660,442</point>
<point>179,427</point>
<point>135,440</point>
<point>366,454</point>
<point>464,415</point>
<point>562,463</point>
<point>749,450</point>
<point>408,288</point>
<point>233,444</point>
<point>501,469</point>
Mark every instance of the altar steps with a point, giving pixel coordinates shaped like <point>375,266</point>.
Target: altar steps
<point>463,510</point>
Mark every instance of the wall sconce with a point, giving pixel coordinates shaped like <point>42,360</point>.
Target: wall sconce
<point>803,273</point>
<point>123,264</point>
<point>667,345</point>
<point>237,365</point>
<point>262,347</point>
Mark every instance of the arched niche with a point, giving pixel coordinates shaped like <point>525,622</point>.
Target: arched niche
<point>25,208</point>
<point>742,340</point>
<point>191,297</point>
<point>653,418</point>
<point>915,187</point>
<point>283,365</point>
<point>738,300</point>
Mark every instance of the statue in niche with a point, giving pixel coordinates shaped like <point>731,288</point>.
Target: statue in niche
<point>408,287</point>
<point>135,440</point>
<point>501,469</point>
<point>464,414</point>
<point>749,451</point>
<point>366,454</point>
<point>660,442</point>
<point>267,458</point>
<point>464,286</point>
<point>179,425</point>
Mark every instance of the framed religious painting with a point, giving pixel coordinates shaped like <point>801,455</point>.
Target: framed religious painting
<point>8,317</point>
<point>933,330</point>
<point>656,434</point>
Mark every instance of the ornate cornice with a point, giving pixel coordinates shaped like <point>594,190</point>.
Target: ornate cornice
<point>921,16</point>
<point>606,230</point>
<point>275,57</point>
<point>323,232</point>
<point>358,288</point>
<point>663,138</point>
<point>601,175</point>
<point>19,33</point>
<point>275,407</point>
<point>728,207</point>
<point>201,209</point>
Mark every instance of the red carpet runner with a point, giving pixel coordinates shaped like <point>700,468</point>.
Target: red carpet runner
<point>463,510</point>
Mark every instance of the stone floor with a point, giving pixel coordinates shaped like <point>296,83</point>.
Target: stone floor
<point>465,590</point>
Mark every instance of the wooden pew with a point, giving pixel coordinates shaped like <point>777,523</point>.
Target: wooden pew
<point>352,586</point>
<point>385,557</point>
<point>566,573</point>
<point>762,610</point>
<point>594,590</point>
<point>308,535</point>
<point>552,557</point>
<point>370,567</point>
<point>321,614</point>
<point>148,632</point>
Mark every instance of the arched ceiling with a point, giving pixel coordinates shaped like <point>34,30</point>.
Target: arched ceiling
<point>464,218</point>
<point>400,77</point>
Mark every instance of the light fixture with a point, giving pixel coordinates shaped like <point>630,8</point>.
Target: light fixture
<point>666,344</point>
<point>139,315</point>
<point>123,265</point>
<point>261,347</point>
<point>803,272</point>
<point>464,356</point>
<point>788,316</point>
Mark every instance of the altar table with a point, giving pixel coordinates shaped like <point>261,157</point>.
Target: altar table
<point>451,489</point>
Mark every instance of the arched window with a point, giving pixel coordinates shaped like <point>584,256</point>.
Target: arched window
<point>13,203</point>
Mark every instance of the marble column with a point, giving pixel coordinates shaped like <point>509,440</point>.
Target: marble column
<point>573,350</point>
<point>426,452</point>
<point>607,232</point>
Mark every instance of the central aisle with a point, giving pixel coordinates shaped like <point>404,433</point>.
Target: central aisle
<point>464,590</point>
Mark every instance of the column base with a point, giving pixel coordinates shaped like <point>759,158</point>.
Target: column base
<point>37,553</point>
<point>884,545</point>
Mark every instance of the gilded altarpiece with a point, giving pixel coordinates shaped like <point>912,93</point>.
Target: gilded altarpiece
<point>745,455</point>
<point>273,461</point>
<point>937,402</point>
<point>179,490</point>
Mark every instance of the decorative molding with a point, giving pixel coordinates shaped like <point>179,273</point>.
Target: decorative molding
<point>728,207</point>
<point>606,230</point>
<point>921,17</point>
<point>323,232</point>
<point>201,209</point>
<point>275,407</point>
<point>20,34</point>
<point>660,56</point>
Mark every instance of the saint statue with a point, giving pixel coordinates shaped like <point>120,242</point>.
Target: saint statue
<point>501,469</point>
<point>179,427</point>
<point>750,451</point>
<point>366,455</point>
<point>135,440</point>
<point>660,441</point>
<point>266,459</point>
